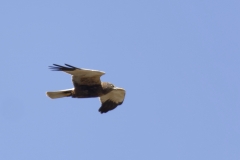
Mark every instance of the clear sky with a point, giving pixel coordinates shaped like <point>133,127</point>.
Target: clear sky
<point>179,62</point>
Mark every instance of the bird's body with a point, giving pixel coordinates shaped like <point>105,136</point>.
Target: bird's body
<point>87,84</point>
<point>91,91</point>
<point>85,91</point>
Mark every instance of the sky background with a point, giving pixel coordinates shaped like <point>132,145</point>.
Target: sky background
<point>179,62</point>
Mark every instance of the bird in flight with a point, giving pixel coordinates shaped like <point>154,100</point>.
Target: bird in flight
<point>87,84</point>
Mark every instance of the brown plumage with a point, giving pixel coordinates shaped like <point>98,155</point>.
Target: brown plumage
<point>87,84</point>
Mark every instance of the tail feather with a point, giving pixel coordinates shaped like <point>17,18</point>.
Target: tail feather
<point>60,94</point>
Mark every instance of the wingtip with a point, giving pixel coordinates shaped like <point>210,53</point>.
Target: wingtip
<point>69,65</point>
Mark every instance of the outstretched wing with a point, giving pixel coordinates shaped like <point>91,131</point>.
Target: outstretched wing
<point>111,100</point>
<point>80,76</point>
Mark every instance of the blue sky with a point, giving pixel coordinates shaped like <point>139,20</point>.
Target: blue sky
<point>178,61</point>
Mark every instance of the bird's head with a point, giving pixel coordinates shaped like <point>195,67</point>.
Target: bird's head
<point>110,85</point>
<point>107,87</point>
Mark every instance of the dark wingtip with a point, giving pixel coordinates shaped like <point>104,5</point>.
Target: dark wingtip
<point>108,106</point>
<point>101,111</point>
<point>70,66</point>
<point>57,67</point>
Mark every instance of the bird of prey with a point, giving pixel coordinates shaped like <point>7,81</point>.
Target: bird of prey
<point>87,84</point>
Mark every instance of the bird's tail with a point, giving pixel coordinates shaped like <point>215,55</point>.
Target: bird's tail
<point>60,94</point>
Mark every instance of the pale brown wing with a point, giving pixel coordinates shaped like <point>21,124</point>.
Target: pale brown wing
<point>80,76</point>
<point>111,100</point>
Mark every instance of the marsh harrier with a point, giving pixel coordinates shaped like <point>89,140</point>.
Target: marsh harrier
<point>87,84</point>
